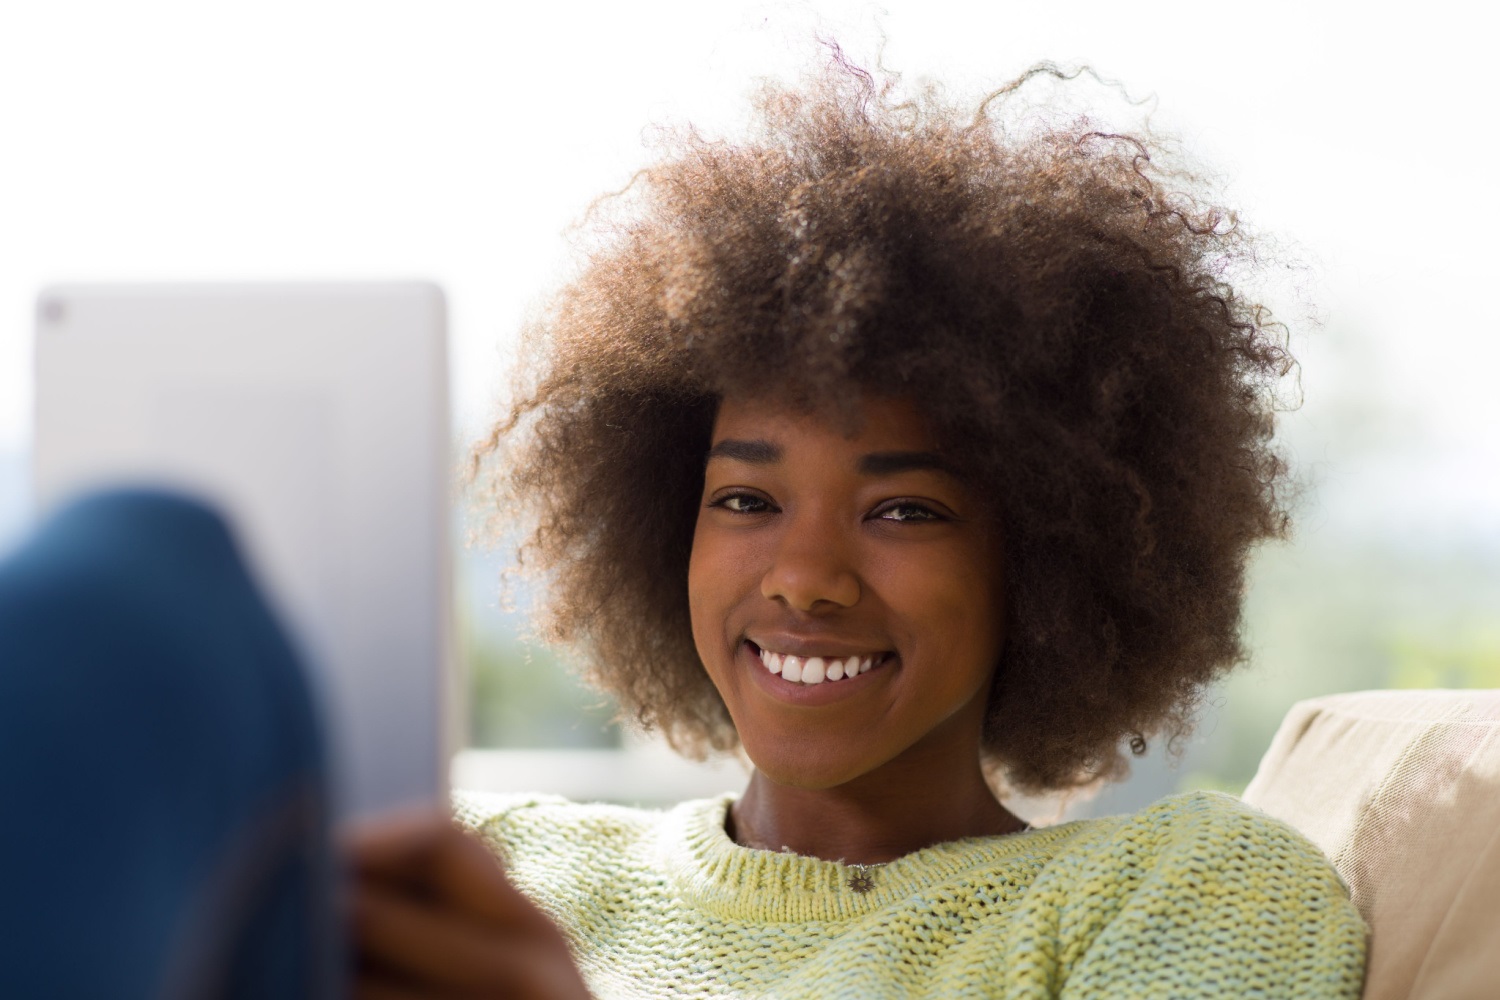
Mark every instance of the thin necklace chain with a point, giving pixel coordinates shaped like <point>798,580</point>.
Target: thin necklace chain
<point>862,881</point>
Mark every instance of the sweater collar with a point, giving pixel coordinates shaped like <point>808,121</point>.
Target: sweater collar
<point>740,883</point>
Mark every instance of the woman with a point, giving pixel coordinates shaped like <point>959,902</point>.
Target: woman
<point>918,456</point>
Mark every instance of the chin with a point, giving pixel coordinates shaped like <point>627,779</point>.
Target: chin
<point>795,773</point>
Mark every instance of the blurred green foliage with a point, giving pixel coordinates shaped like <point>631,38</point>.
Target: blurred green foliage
<point>1323,617</point>
<point>523,695</point>
<point>1468,660</point>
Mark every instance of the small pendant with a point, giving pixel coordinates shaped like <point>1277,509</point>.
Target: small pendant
<point>860,881</point>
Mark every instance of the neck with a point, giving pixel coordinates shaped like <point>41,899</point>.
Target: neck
<point>873,819</point>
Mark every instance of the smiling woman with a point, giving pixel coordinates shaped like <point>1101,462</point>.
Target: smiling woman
<point>847,604</point>
<point>1052,302</point>
<point>920,457</point>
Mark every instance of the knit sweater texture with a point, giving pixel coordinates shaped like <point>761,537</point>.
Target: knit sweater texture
<point>1195,896</point>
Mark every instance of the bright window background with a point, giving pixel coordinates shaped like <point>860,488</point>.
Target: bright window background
<point>456,141</point>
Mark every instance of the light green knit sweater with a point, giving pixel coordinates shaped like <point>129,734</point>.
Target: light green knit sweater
<point>1196,896</point>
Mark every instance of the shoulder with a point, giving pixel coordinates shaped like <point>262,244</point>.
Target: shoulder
<point>488,813</point>
<point>1217,892</point>
<point>484,814</point>
<point>1214,830</point>
<point>1208,838</point>
<point>577,860</point>
<point>1192,817</point>
<point>552,830</point>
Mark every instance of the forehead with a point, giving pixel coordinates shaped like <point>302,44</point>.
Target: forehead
<point>882,423</point>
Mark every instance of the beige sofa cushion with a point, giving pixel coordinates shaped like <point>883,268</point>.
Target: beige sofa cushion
<point>1401,789</point>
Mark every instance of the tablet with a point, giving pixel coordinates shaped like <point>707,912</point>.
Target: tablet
<point>315,418</point>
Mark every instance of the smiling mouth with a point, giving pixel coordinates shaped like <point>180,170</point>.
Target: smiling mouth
<point>817,669</point>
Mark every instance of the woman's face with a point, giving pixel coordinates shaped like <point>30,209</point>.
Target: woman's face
<point>845,590</point>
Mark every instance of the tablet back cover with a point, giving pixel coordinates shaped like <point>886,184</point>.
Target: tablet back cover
<point>316,418</point>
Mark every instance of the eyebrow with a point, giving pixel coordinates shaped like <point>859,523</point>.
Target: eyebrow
<point>878,463</point>
<point>753,452</point>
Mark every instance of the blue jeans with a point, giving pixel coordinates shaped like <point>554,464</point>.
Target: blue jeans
<point>163,809</point>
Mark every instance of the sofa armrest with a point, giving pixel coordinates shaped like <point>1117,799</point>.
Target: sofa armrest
<point>1401,789</point>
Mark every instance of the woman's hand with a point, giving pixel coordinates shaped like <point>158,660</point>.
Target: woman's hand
<point>434,916</point>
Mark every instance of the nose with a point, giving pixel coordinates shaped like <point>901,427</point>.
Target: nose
<point>811,570</point>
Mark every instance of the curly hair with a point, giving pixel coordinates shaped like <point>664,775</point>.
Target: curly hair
<point>1052,297</point>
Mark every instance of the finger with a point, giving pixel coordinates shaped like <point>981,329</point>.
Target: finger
<point>433,946</point>
<point>373,987</point>
<point>530,979</point>
<point>544,976</point>
<point>466,874</point>
<point>427,858</point>
<point>396,842</point>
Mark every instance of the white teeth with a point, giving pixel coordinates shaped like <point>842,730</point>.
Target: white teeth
<point>814,670</point>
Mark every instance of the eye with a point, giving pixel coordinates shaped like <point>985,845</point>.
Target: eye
<point>908,511</point>
<point>742,503</point>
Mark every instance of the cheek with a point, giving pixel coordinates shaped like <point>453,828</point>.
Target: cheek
<point>698,596</point>
<point>710,593</point>
<point>955,605</point>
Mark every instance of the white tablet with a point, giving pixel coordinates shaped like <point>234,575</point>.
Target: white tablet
<point>315,417</point>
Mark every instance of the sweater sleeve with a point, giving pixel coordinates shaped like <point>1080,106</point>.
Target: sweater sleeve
<point>1218,900</point>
